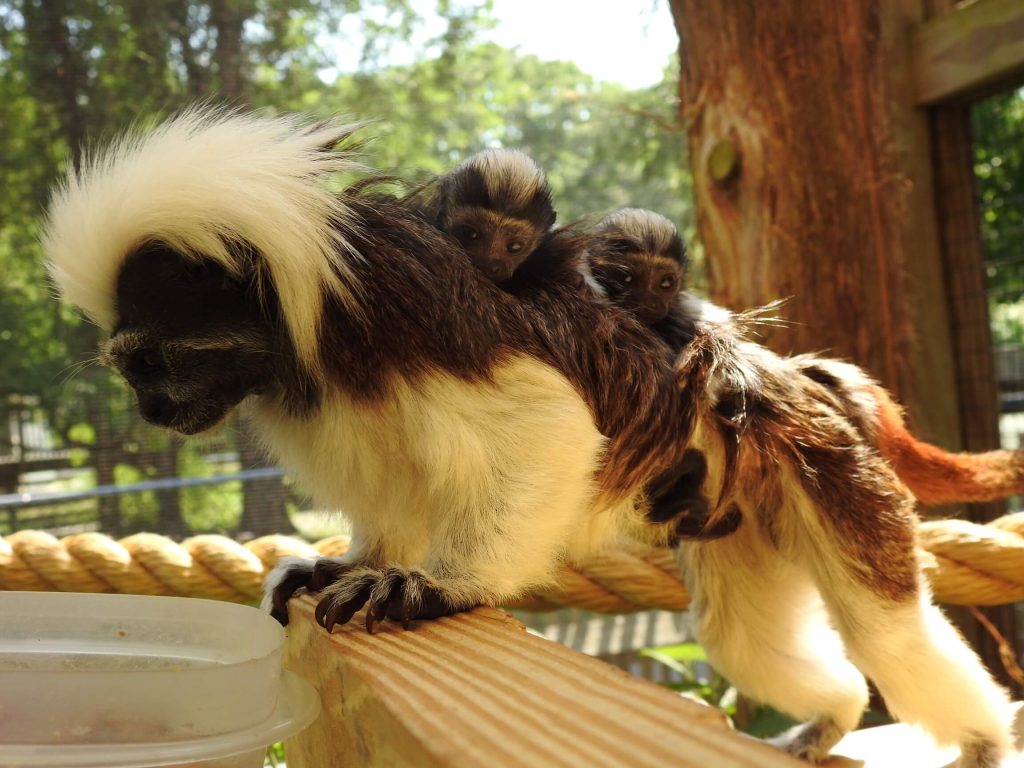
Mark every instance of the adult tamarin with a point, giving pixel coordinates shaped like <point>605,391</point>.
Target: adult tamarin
<point>475,438</point>
<point>639,260</point>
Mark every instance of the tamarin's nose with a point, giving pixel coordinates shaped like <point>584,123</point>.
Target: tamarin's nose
<point>499,271</point>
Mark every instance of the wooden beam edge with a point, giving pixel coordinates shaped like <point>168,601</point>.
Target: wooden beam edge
<point>967,52</point>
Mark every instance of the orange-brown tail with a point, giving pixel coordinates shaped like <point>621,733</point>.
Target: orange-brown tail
<point>936,476</point>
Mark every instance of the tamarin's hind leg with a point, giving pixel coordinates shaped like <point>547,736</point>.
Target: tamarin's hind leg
<point>765,629</point>
<point>925,671</point>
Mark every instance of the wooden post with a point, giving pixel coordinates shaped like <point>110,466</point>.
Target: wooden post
<point>956,203</point>
<point>477,690</point>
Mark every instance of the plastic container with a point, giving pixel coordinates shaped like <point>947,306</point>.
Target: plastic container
<point>125,680</point>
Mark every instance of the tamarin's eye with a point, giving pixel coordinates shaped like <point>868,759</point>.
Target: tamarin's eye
<point>514,247</point>
<point>464,232</point>
<point>667,282</point>
<point>627,278</point>
<point>145,362</point>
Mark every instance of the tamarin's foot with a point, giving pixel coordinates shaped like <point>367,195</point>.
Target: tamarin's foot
<point>394,593</point>
<point>980,754</point>
<point>811,741</point>
<point>294,573</point>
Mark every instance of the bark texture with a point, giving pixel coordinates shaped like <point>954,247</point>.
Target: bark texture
<point>811,206</point>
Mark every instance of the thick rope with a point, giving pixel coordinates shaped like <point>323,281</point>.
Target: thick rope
<point>968,564</point>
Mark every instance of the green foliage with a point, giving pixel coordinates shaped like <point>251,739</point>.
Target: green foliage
<point>275,755</point>
<point>208,507</point>
<point>998,125</point>
<point>138,510</point>
<point>690,661</point>
<point>602,145</point>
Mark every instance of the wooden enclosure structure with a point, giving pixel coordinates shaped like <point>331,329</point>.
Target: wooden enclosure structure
<point>476,690</point>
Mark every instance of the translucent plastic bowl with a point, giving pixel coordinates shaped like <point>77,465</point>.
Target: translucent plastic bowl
<point>125,680</point>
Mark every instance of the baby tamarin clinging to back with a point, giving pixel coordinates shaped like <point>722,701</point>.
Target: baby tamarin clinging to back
<point>638,259</point>
<point>497,206</point>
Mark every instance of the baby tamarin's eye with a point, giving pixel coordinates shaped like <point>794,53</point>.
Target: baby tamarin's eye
<point>667,282</point>
<point>464,232</point>
<point>514,247</point>
<point>627,278</point>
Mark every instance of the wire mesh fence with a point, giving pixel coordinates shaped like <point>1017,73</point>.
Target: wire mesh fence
<point>96,466</point>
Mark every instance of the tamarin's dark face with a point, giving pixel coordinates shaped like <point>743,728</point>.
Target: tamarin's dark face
<point>639,259</point>
<point>190,339</point>
<point>497,205</point>
<point>496,244</point>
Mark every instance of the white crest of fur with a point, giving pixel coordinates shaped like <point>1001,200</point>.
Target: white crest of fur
<point>197,181</point>
<point>644,225</point>
<point>509,170</point>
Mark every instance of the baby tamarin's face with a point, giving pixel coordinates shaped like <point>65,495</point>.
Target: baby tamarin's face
<point>639,260</point>
<point>497,205</point>
<point>497,244</point>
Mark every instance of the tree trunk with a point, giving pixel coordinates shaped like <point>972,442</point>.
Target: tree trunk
<point>57,68</point>
<point>228,18</point>
<point>197,80</point>
<point>799,194</point>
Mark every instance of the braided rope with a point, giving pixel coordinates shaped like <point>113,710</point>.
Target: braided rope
<point>968,564</point>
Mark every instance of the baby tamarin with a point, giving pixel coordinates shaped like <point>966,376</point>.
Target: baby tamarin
<point>497,206</point>
<point>638,259</point>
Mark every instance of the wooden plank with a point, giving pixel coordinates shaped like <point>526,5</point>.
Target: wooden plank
<point>977,387</point>
<point>477,689</point>
<point>976,47</point>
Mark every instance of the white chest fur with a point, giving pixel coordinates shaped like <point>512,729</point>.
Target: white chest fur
<point>447,463</point>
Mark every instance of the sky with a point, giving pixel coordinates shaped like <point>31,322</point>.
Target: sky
<point>623,41</point>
